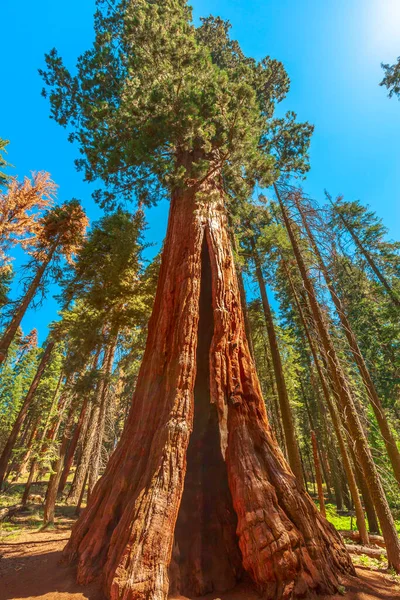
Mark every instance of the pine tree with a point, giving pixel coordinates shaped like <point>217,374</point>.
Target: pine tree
<point>60,233</point>
<point>21,210</point>
<point>392,78</point>
<point>16,376</point>
<point>16,428</point>
<point>197,112</point>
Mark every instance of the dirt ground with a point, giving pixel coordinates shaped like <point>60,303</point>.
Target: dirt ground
<point>30,569</point>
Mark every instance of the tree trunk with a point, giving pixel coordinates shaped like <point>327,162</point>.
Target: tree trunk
<point>373,525</point>
<point>84,463</point>
<point>387,434</point>
<point>15,322</point>
<point>322,461</point>
<point>42,446</point>
<point>72,446</point>
<point>283,397</point>
<point>80,501</point>
<point>337,375</point>
<point>5,457</point>
<point>318,474</point>
<point>102,398</point>
<point>362,527</point>
<point>274,402</point>
<point>254,515</point>
<point>28,435</point>
<point>51,494</point>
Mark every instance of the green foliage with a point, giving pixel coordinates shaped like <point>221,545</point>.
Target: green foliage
<point>106,273</point>
<point>3,162</point>
<point>392,78</point>
<point>16,375</point>
<point>157,104</point>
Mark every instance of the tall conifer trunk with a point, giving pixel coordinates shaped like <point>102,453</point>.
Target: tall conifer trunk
<point>15,322</point>
<point>283,397</point>
<point>260,519</point>
<point>340,382</point>
<point>69,458</point>
<point>386,432</point>
<point>351,480</point>
<point>318,474</point>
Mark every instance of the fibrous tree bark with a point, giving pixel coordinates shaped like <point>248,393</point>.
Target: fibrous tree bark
<point>201,437</point>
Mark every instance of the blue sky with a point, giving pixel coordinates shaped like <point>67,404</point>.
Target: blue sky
<point>332,50</point>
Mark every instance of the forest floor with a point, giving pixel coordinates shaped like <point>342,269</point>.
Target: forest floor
<point>31,569</point>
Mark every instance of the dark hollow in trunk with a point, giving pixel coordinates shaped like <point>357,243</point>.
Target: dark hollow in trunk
<point>206,554</point>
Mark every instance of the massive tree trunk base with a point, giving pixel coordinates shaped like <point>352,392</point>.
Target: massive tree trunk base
<point>198,493</point>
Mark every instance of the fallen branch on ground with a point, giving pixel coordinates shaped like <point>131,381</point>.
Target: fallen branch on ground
<point>9,511</point>
<point>375,540</point>
<point>371,552</point>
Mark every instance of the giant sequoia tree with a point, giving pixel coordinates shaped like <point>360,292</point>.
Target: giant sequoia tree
<point>197,491</point>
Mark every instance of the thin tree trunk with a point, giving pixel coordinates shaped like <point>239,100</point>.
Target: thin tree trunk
<point>25,441</point>
<point>72,446</point>
<point>320,455</point>
<point>83,465</point>
<point>15,322</point>
<point>278,419</point>
<point>373,525</point>
<point>318,474</point>
<point>387,434</point>
<point>5,457</point>
<point>362,527</point>
<point>102,398</point>
<point>283,397</point>
<point>43,446</point>
<point>135,511</point>
<point>341,385</point>
<point>51,495</point>
<point>336,479</point>
<point>80,501</point>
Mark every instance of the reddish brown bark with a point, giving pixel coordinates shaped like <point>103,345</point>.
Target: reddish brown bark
<point>261,520</point>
